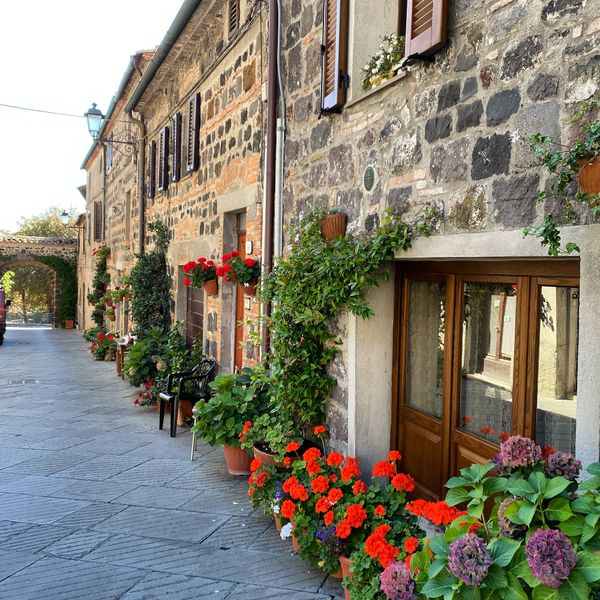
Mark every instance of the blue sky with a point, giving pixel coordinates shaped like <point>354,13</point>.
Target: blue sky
<point>62,56</point>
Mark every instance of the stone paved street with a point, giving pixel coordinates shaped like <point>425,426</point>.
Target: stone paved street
<point>97,503</point>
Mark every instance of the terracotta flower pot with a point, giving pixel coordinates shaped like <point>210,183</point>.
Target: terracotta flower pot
<point>250,288</point>
<point>345,565</point>
<point>333,226</point>
<point>68,323</point>
<point>278,523</point>
<point>589,175</point>
<point>338,573</point>
<point>238,460</point>
<point>266,458</point>
<point>295,543</point>
<point>211,287</point>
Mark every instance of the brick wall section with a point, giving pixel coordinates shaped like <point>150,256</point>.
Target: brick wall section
<point>442,134</point>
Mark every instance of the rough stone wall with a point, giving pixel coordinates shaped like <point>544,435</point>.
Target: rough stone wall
<point>18,246</point>
<point>442,134</point>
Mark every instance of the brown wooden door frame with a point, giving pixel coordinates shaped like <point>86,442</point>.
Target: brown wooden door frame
<point>529,276</point>
<point>239,310</point>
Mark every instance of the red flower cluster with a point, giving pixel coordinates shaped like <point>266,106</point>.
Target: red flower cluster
<point>287,509</point>
<point>344,529</point>
<point>328,518</point>
<point>335,494</point>
<point>359,487</point>
<point>254,465</point>
<point>246,429</point>
<point>380,511</point>
<point>292,447</point>
<point>319,430</point>
<point>335,459</point>
<point>311,455</point>
<point>394,455</point>
<point>350,469</point>
<point>295,489</point>
<point>411,545</point>
<point>439,513</point>
<point>384,469</point>
<point>356,515</point>
<point>376,546</point>
<point>322,505</point>
<point>547,451</point>
<point>403,482</point>
<point>320,484</point>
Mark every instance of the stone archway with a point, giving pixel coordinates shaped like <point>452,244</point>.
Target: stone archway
<point>48,253</point>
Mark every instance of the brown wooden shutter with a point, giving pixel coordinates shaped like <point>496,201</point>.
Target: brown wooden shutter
<point>193,141</point>
<point>334,48</point>
<point>152,170</point>
<point>97,221</point>
<point>176,147</point>
<point>163,163</point>
<point>234,15</point>
<point>426,26</point>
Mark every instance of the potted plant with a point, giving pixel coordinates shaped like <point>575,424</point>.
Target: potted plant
<point>222,419</point>
<point>103,346</point>
<point>385,63</point>
<point>238,270</point>
<point>202,274</point>
<point>333,225</point>
<point>266,489</point>
<point>579,161</point>
<point>540,540</point>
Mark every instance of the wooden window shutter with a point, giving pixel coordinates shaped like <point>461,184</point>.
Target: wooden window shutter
<point>97,221</point>
<point>152,170</point>
<point>334,48</point>
<point>234,15</point>
<point>193,141</point>
<point>176,147</point>
<point>426,26</point>
<point>163,162</point>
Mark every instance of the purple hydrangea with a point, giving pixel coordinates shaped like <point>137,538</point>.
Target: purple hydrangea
<point>563,464</point>
<point>397,583</point>
<point>550,556</point>
<point>516,452</point>
<point>469,559</point>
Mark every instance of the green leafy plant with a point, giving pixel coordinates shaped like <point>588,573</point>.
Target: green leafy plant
<point>271,432</point>
<point>236,269</point>
<point>141,362</point>
<point>564,164</point>
<point>538,541</point>
<point>198,273</point>
<point>385,63</point>
<point>89,335</point>
<point>100,284</point>
<point>151,286</point>
<point>103,345</point>
<point>6,281</point>
<point>235,400</point>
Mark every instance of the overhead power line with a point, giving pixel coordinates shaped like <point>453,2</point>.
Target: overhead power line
<point>41,110</point>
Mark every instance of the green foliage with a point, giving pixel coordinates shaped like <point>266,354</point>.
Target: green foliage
<point>103,345</point>
<point>381,65</point>
<point>235,400</point>
<point>89,335</point>
<point>141,362</point>
<point>49,224</point>
<point>563,163</point>
<point>524,500</point>
<point>151,286</point>
<point>66,271</point>
<point>7,281</point>
<point>100,284</point>
<point>272,432</point>
<point>308,289</point>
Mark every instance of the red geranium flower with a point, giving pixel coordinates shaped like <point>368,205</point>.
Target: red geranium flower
<point>384,469</point>
<point>249,262</point>
<point>322,505</point>
<point>320,484</point>
<point>344,529</point>
<point>287,509</point>
<point>220,271</point>
<point>359,487</point>
<point>328,517</point>
<point>335,459</point>
<point>311,454</point>
<point>255,464</point>
<point>187,282</point>
<point>410,545</point>
<point>379,511</point>
<point>403,482</point>
<point>313,467</point>
<point>292,447</point>
<point>334,495</point>
<point>287,461</point>
<point>356,514</point>
<point>319,430</point>
<point>394,455</point>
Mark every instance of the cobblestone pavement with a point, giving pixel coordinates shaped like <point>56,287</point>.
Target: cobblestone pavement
<point>97,503</point>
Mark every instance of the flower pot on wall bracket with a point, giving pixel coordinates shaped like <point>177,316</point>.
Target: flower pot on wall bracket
<point>589,175</point>
<point>211,287</point>
<point>250,287</point>
<point>333,226</point>
<point>238,460</point>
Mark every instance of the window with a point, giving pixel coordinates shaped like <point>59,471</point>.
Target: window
<point>175,147</point>
<point>233,17</point>
<point>194,315</point>
<point>485,350</point>
<point>109,158</point>
<point>152,170</point>
<point>163,161</point>
<point>193,134</point>
<point>97,221</point>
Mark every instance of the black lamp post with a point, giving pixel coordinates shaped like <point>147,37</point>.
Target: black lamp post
<point>95,119</point>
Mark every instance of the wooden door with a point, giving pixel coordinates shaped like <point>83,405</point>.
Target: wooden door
<point>424,383</point>
<point>239,309</point>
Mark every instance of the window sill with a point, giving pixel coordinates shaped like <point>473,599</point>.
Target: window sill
<point>386,84</point>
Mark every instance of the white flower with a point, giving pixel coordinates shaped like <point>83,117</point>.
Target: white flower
<point>286,531</point>
<point>275,508</point>
<point>515,136</point>
<point>373,71</point>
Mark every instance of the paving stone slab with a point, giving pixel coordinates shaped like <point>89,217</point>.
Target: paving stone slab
<point>158,586</point>
<point>237,532</point>
<point>157,471</point>
<point>224,504</point>
<point>256,592</point>
<point>38,485</point>
<point>10,528</point>
<point>101,491</point>
<point>101,467</point>
<point>31,509</point>
<point>163,524</point>
<point>156,496</point>
<point>35,538</point>
<point>58,579</point>
<point>53,462</point>
<point>77,544</point>
<point>11,562</point>
<point>90,515</point>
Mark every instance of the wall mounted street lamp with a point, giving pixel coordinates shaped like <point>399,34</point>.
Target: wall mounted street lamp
<point>123,142</point>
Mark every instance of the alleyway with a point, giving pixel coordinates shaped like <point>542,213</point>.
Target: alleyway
<point>99,504</point>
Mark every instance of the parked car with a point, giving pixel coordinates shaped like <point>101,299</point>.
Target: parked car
<point>4,304</point>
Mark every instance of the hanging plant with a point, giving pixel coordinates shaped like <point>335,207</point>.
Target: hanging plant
<point>575,163</point>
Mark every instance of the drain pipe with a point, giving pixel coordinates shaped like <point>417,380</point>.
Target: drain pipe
<point>141,173</point>
<point>271,161</point>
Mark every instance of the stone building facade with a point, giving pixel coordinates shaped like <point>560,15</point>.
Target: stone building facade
<point>200,107</point>
<point>442,135</point>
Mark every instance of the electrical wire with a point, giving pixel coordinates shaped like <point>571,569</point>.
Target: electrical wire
<point>41,110</point>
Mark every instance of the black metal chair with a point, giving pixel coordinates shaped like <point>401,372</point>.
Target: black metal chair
<point>189,387</point>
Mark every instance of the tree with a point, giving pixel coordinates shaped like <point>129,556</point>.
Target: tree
<point>32,289</point>
<point>48,224</point>
<point>6,281</point>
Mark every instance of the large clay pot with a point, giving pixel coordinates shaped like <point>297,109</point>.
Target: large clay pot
<point>345,565</point>
<point>333,226</point>
<point>278,523</point>
<point>211,287</point>
<point>238,460</point>
<point>295,543</point>
<point>250,288</point>
<point>68,323</point>
<point>589,175</point>
<point>266,458</point>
